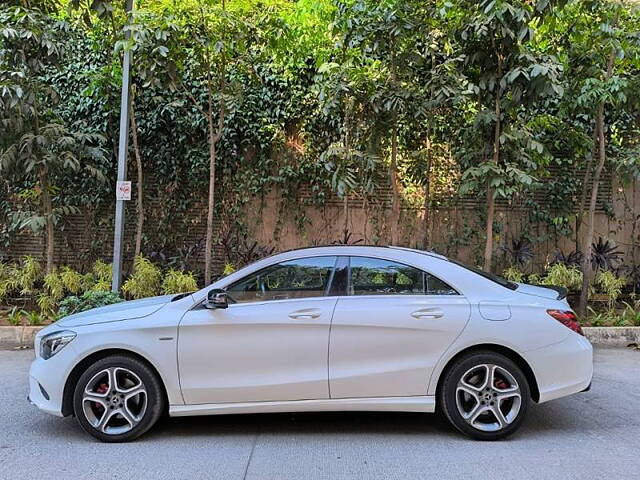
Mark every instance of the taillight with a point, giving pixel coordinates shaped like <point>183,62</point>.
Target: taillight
<point>568,319</point>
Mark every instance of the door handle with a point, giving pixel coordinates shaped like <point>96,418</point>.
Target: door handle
<point>427,313</point>
<point>304,314</point>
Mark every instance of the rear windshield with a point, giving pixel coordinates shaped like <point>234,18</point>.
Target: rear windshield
<point>489,276</point>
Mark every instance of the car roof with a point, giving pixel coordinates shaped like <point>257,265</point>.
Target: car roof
<point>359,249</point>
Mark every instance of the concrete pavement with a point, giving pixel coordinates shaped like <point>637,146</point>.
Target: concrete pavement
<point>593,435</point>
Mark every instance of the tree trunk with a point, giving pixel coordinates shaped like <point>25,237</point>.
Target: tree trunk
<point>139,199</point>
<point>395,187</point>
<point>491,201</point>
<point>210,204</point>
<point>587,272</point>
<point>488,246</point>
<point>585,186</point>
<point>427,195</point>
<point>47,210</point>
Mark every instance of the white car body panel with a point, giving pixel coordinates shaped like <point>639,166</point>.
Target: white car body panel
<point>244,354</point>
<point>359,353</point>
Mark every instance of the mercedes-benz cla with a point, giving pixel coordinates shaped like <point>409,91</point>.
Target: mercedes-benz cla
<point>319,329</point>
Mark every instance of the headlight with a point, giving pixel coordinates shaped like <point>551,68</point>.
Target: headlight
<point>54,342</point>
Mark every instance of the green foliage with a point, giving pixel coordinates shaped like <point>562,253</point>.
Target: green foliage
<point>145,281</point>
<point>71,279</point>
<point>34,318</point>
<point>629,316</point>
<point>609,284</point>
<point>513,274</point>
<point>15,317</point>
<point>562,275</point>
<point>179,282</point>
<point>28,274</point>
<point>86,301</point>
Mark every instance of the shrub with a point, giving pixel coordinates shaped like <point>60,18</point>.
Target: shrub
<point>15,317</point>
<point>631,314</point>
<point>28,274</point>
<point>87,301</point>
<point>71,280</point>
<point>176,281</point>
<point>34,318</point>
<point>145,281</point>
<point>610,285</point>
<point>54,285</point>
<point>8,280</point>
<point>561,275</point>
<point>513,274</point>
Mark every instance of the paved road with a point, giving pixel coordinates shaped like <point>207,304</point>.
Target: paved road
<point>594,435</point>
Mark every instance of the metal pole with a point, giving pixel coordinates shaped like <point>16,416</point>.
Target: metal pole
<point>123,147</point>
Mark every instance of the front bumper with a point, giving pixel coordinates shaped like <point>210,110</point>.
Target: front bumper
<point>47,380</point>
<point>563,368</point>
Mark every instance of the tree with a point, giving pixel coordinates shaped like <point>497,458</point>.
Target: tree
<point>392,73</point>
<point>602,56</point>
<point>504,77</point>
<point>38,146</point>
<point>216,37</point>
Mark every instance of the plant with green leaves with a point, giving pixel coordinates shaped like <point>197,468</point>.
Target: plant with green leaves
<point>176,281</point>
<point>146,280</point>
<point>513,274</point>
<point>561,275</point>
<point>15,317</point>
<point>611,285</point>
<point>33,318</point>
<point>86,301</point>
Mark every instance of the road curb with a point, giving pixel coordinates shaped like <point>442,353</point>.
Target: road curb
<point>613,336</point>
<point>18,336</point>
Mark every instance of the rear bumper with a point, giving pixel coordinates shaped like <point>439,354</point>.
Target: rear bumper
<point>563,368</point>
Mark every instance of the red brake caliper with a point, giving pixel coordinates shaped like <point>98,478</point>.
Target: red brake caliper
<point>501,384</point>
<point>102,388</point>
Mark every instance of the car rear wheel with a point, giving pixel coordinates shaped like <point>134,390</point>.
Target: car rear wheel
<point>118,398</point>
<point>485,395</point>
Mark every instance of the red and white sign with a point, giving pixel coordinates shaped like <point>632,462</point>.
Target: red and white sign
<point>123,190</point>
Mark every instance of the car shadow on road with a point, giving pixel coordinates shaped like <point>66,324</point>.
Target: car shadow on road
<point>542,420</point>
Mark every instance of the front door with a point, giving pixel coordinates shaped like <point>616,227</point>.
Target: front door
<point>269,345</point>
<point>389,332</point>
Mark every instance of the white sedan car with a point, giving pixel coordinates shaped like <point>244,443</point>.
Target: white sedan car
<point>319,329</point>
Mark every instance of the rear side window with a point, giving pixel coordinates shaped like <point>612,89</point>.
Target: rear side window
<point>302,278</point>
<point>374,276</point>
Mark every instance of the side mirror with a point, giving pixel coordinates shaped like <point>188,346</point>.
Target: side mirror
<point>217,298</point>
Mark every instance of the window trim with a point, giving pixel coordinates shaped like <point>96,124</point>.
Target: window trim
<point>424,294</point>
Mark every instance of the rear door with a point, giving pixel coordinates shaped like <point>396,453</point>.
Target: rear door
<point>391,328</point>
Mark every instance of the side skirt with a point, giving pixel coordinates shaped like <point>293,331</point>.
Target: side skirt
<point>424,404</point>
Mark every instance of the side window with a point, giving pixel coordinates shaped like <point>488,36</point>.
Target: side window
<point>305,277</point>
<point>435,286</point>
<point>373,276</point>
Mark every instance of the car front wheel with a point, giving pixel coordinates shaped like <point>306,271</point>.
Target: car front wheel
<point>485,395</point>
<point>118,398</point>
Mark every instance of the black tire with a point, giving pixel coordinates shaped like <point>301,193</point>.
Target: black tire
<point>448,402</point>
<point>154,406</point>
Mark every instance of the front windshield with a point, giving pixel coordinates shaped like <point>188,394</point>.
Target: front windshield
<point>489,276</point>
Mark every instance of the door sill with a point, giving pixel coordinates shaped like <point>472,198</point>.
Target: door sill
<point>424,404</point>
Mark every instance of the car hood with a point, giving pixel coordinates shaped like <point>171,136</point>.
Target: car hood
<point>118,311</point>
<point>554,293</point>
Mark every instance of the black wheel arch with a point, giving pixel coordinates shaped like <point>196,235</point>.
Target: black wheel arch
<point>82,365</point>
<point>501,349</point>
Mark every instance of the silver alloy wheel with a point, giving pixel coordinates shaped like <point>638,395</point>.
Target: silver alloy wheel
<point>114,400</point>
<point>488,397</point>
